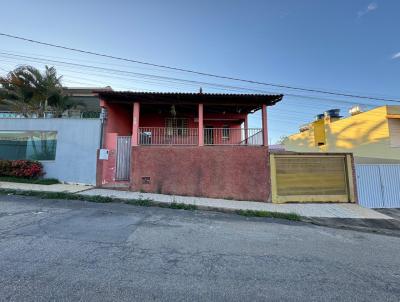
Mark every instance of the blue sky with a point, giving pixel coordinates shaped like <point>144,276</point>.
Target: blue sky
<point>344,46</point>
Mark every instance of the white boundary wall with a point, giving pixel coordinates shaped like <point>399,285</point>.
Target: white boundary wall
<point>77,142</point>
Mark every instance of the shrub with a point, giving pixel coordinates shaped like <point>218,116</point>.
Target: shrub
<point>38,181</point>
<point>5,167</point>
<point>21,168</point>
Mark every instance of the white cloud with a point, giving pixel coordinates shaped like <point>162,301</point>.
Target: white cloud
<point>371,7</point>
<point>396,56</point>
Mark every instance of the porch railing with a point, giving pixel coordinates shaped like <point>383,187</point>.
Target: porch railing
<point>190,136</point>
<point>168,136</point>
<point>233,136</point>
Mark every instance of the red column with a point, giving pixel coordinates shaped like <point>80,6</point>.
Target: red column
<point>201,126</point>
<point>135,124</point>
<point>264,125</point>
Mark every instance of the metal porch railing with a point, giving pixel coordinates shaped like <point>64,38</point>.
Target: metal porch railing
<point>190,136</point>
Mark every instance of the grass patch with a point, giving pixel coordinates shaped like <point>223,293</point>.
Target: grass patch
<point>59,195</point>
<point>182,206</point>
<point>252,213</point>
<point>144,202</point>
<point>38,181</point>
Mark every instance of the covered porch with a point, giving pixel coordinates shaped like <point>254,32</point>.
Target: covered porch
<point>186,118</point>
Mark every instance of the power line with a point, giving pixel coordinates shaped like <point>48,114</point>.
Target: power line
<point>192,71</point>
<point>155,69</point>
<point>161,80</point>
<point>285,116</point>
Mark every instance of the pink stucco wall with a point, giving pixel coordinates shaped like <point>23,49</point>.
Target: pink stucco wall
<point>118,123</point>
<point>238,172</point>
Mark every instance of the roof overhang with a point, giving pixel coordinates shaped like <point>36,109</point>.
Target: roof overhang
<point>250,102</point>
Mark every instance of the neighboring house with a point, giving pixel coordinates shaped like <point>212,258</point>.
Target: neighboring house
<point>372,136</point>
<point>85,96</point>
<point>194,144</point>
<point>81,95</point>
<point>66,146</point>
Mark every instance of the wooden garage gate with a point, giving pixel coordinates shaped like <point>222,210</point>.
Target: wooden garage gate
<point>303,177</point>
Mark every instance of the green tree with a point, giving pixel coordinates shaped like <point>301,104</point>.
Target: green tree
<point>32,93</point>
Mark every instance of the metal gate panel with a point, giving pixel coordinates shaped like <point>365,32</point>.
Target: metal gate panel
<point>369,184</point>
<point>378,185</point>
<point>311,178</point>
<point>123,159</point>
<point>390,175</point>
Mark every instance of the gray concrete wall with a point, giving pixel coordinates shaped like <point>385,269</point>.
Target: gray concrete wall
<point>77,142</point>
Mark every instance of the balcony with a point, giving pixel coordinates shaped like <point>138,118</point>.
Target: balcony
<point>190,136</point>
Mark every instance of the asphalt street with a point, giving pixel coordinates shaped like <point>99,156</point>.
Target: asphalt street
<point>78,251</point>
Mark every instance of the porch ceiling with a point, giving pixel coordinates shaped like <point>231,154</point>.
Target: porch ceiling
<point>244,102</point>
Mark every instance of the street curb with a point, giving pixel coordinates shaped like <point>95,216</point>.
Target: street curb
<point>372,225</point>
<point>149,203</point>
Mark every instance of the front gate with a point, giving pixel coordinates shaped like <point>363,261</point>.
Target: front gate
<point>378,185</point>
<point>303,177</point>
<point>123,159</point>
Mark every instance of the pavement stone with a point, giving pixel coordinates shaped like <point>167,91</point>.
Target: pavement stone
<point>321,210</point>
<point>68,188</point>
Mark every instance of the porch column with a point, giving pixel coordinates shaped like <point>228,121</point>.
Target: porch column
<point>135,123</point>
<point>264,125</point>
<point>201,126</point>
<point>246,129</point>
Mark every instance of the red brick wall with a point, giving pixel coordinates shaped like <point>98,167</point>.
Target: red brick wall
<point>238,172</point>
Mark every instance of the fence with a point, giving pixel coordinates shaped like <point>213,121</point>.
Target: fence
<point>168,136</point>
<point>232,136</point>
<point>190,136</point>
<point>76,143</point>
<point>378,185</point>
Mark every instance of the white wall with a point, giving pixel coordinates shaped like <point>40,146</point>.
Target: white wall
<point>77,142</point>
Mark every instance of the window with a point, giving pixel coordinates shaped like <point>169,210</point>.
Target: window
<point>177,126</point>
<point>34,145</point>
<point>225,132</point>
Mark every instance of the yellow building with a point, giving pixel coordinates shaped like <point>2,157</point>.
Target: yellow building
<point>372,136</point>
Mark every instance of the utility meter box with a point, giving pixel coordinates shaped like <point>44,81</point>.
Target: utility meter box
<point>103,154</point>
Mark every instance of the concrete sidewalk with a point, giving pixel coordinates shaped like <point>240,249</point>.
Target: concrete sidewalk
<point>323,210</point>
<point>67,188</point>
<point>312,210</point>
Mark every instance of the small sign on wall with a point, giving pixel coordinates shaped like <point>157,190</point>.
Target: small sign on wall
<point>103,154</point>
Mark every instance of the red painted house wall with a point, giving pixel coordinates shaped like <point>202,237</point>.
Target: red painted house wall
<point>118,123</point>
<point>239,172</point>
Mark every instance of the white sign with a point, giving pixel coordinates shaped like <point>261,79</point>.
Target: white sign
<point>103,154</point>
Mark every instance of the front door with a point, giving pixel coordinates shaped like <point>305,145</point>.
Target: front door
<point>209,135</point>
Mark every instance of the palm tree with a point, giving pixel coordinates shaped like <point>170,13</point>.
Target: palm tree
<point>29,92</point>
<point>18,93</point>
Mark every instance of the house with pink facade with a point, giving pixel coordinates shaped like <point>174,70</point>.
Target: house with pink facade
<point>196,144</point>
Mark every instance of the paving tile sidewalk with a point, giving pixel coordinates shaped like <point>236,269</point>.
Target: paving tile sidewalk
<point>333,210</point>
<point>323,210</point>
<point>68,188</point>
